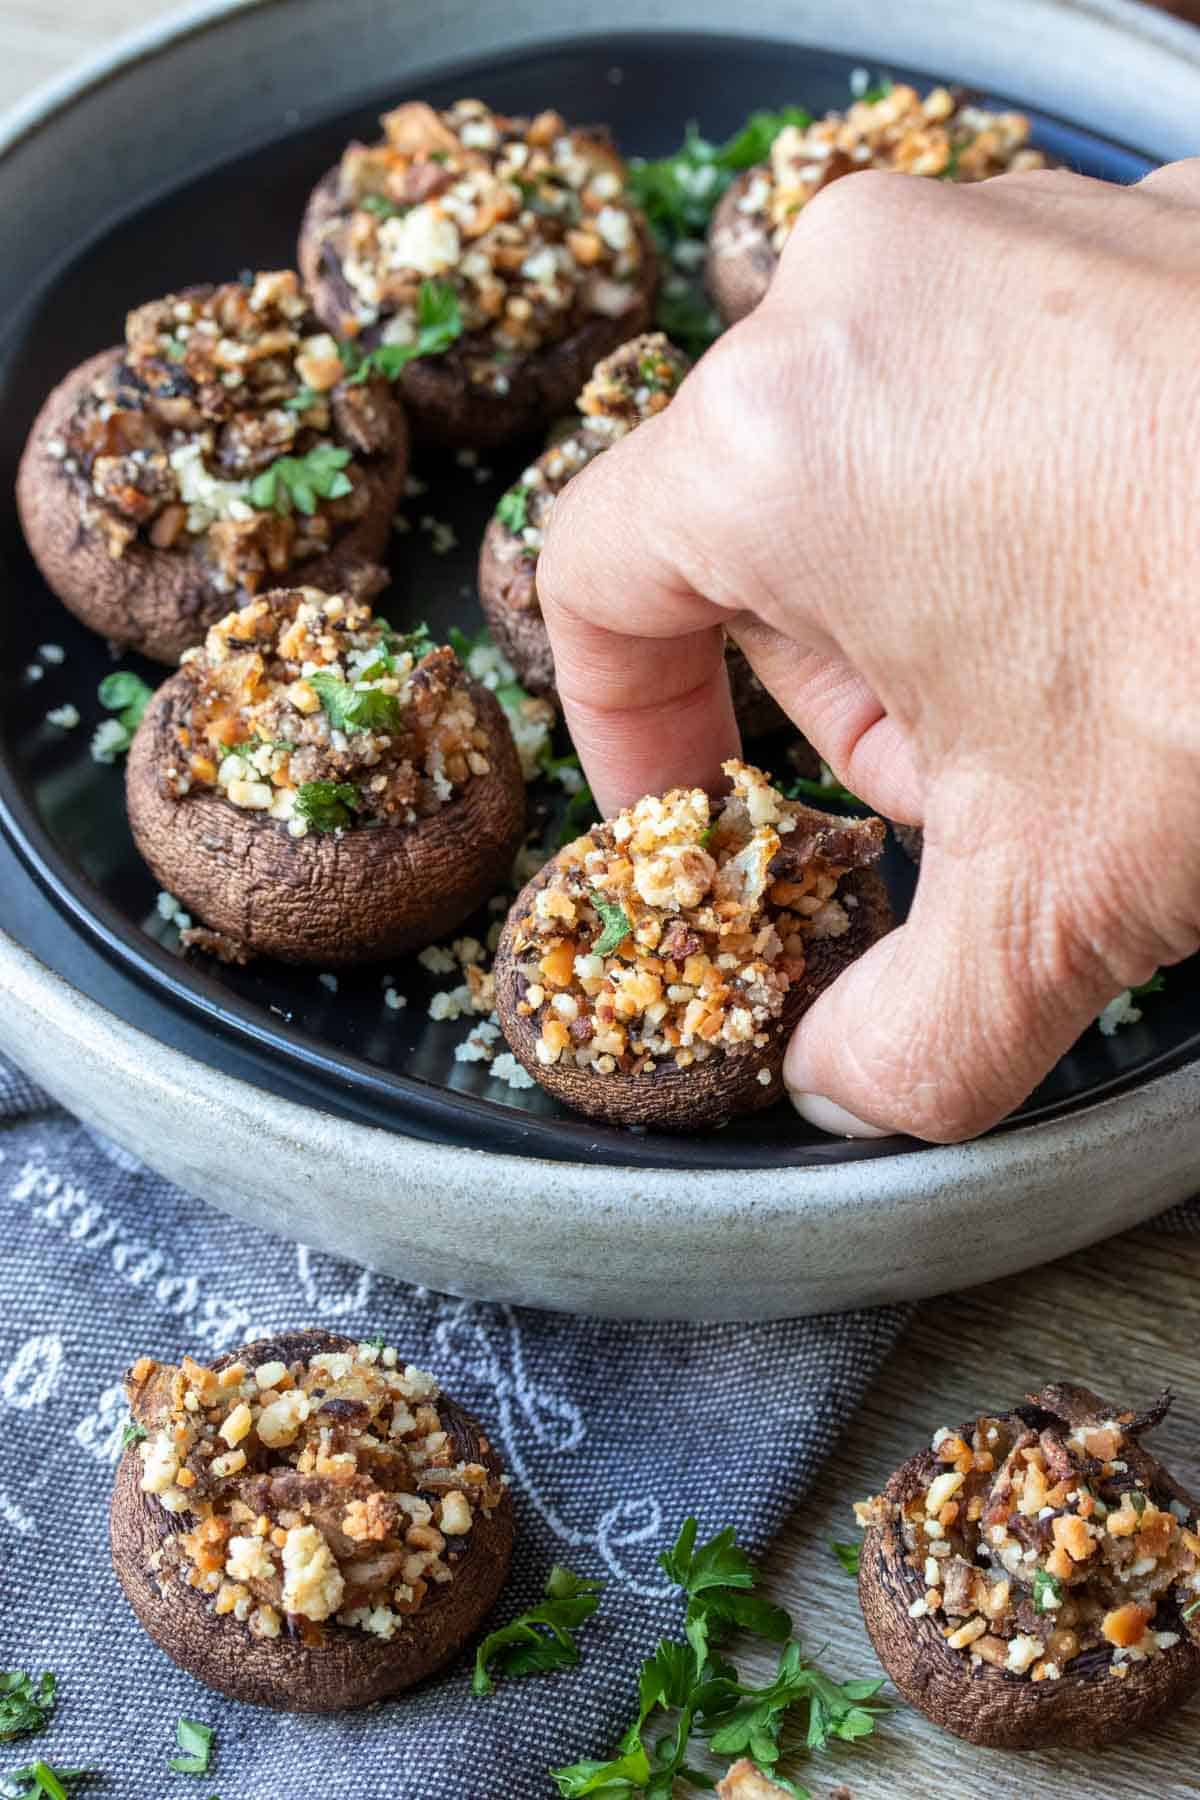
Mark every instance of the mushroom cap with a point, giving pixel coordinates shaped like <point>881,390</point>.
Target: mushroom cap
<point>161,602</point>
<point>1085,1707</point>
<point>328,898</point>
<point>348,1667</point>
<point>704,1096</point>
<point>741,261</point>
<point>446,407</point>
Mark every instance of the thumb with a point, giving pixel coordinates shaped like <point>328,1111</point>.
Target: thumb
<point>950,1021</point>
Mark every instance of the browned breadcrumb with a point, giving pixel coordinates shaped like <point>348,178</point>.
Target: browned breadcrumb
<point>717,912</point>
<point>1038,1548</point>
<point>261,733</point>
<point>943,135</point>
<point>527,218</point>
<point>318,1491</point>
<point>215,386</point>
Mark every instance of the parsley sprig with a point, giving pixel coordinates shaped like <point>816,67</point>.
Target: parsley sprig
<point>827,789</point>
<point>1047,1591</point>
<point>439,323</point>
<point>678,194</point>
<point>687,1689</point>
<point>543,1637</point>
<point>25,1703</point>
<point>300,481</point>
<point>847,1555</point>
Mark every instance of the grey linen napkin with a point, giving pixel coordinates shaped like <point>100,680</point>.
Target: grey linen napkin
<point>612,1434</point>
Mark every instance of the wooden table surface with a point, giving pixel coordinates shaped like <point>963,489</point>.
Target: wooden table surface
<point>1121,1318</point>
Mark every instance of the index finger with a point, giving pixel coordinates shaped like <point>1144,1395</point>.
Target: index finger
<point>639,653</point>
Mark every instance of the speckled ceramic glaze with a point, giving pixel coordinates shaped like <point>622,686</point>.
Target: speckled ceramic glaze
<point>740,1243</point>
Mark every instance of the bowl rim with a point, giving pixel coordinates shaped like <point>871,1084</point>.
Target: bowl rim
<point>837,25</point>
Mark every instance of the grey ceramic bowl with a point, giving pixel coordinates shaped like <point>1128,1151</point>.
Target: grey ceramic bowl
<point>730,1243</point>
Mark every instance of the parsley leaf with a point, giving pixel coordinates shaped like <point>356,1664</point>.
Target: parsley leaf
<point>132,1434</point>
<point>378,1342</point>
<point>1188,1611</point>
<point>326,805</point>
<point>381,206</point>
<point>302,399</point>
<point>195,1740</point>
<point>519,1648</point>
<point>617,927</point>
<point>513,509</point>
<point>687,1689</point>
<point>128,696</point>
<point>880,91</point>
<point>686,316</point>
<point>355,708</point>
<point>1155,985</point>
<point>439,323</point>
<point>827,788</point>
<point>176,349</point>
<point>1047,1591</point>
<point>300,481</point>
<point>25,1704</point>
<point>847,1555</point>
<point>40,1779</point>
<point>752,144</point>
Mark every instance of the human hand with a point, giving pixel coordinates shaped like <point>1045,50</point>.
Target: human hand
<point>940,490</point>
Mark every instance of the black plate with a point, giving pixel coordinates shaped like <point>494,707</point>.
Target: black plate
<point>346,1051</point>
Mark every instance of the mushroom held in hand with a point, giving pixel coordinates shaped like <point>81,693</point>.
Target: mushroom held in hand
<point>220,449</point>
<point>1033,1579</point>
<point>313,787</point>
<point>652,973</point>
<point>518,233</point>
<point>944,135</point>
<point>632,385</point>
<point>307,1523</point>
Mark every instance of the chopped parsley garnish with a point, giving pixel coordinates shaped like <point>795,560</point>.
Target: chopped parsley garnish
<point>415,643</point>
<point>127,695</point>
<point>355,708</point>
<point>249,745</point>
<point>1047,1591</point>
<point>462,645</point>
<point>1138,1502</point>
<point>378,1342</point>
<point>1190,1610</point>
<point>847,1555</point>
<point>880,91</point>
<point>520,1648</point>
<point>326,805</point>
<point>1155,985</point>
<point>752,144</point>
<point>25,1704</point>
<point>617,924</point>
<point>195,1740</point>
<point>132,1434</point>
<point>302,399</point>
<point>382,207</point>
<point>687,1689</point>
<point>513,509</point>
<point>176,350</point>
<point>439,323</point>
<point>300,481</point>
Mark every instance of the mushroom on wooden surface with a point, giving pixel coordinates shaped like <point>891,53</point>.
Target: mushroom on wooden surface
<point>1033,1578</point>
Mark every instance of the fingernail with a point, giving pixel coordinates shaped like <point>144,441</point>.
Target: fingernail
<point>828,1116</point>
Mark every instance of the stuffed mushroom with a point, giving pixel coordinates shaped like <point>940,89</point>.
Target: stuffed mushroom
<point>651,974</point>
<point>1033,1578</point>
<point>314,787</point>
<point>307,1523</point>
<point>946,136</point>
<point>221,449</point>
<point>517,234</point>
<point>635,383</point>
